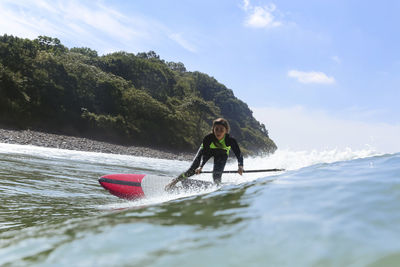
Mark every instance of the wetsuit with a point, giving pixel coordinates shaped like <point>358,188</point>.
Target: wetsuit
<point>219,149</point>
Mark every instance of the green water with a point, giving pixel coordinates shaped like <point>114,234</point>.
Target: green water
<point>54,213</point>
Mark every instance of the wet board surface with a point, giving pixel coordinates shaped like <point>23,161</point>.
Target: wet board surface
<point>135,186</point>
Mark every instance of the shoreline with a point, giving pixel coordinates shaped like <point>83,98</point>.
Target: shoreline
<point>42,139</point>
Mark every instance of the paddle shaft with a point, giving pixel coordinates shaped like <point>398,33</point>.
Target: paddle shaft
<point>266,170</point>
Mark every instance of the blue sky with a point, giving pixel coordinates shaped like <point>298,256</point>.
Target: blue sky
<point>319,74</point>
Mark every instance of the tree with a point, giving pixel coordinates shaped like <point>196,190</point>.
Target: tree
<point>178,67</point>
<point>203,112</point>
<point>50,44</point>
<point>121,96</point>
<point>85,51</point>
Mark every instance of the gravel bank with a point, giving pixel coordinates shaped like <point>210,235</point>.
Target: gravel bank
<point>28,137</point>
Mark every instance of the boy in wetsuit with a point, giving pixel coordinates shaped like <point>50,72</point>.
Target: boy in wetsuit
<point>216,144</point>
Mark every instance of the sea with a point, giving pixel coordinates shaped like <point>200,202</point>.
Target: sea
<point>328,208</point>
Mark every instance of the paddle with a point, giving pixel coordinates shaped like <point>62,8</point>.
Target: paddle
<point>266,170</point>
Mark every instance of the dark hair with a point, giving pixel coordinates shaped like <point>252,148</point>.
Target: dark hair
<point>223,122</point>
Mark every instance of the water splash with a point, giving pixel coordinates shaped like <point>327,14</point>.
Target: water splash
<point>294,160</point>
<point>112,163</point>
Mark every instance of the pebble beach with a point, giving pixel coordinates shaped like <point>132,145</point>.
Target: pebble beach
<point>36,138</point>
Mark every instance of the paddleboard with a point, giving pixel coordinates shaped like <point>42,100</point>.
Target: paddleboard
<point>136,186</point>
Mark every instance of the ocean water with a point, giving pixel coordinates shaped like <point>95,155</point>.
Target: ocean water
<point>330,208</point>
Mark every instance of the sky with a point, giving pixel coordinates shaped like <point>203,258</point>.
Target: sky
<point>319,74</point>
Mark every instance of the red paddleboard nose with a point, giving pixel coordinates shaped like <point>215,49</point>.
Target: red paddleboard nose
<point>126,186</point>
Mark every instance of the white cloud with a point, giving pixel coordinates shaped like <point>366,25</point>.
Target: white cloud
<point>299,128</point>
<point>183,42</point>
<point>246,4</point>
<point>311,77</point>
<point>90,24</point>
<point>106,21</point>
<point>260,16</point>
<point>70,19</point>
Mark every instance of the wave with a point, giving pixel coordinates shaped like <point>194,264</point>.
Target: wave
<point>282,158</point>
<point>293,160</point>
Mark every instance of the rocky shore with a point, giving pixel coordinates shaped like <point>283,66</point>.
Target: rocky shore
<point>29,137</point>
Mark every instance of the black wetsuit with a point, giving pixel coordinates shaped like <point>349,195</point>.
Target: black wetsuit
<point>212,147</point>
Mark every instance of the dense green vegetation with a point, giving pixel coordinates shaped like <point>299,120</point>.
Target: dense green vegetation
<point>119,97</point>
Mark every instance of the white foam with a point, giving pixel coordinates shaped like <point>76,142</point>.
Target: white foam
<point>292,160</point>
<point>286,159</point>
<point>90,157</point>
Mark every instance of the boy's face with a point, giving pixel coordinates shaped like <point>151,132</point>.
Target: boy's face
<point>219,131</point>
